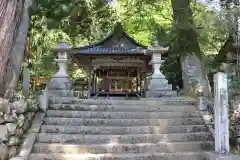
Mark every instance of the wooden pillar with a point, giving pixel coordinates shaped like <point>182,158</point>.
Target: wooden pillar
<point>129,81</point>
<point>89,81</point>
<point>96,85</point>
<point>140,79</point>
<point>129,84</point>
<point>94,82</point>
<point>137,79</point>
<point>145,82</point>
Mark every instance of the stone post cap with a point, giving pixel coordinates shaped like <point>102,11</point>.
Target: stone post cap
<point>61,47</point>
<point>158,49</point>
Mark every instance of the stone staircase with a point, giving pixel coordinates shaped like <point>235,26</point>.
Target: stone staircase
<point>85,129</point>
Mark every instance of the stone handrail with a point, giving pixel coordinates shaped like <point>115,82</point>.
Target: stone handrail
<point>46,94</point>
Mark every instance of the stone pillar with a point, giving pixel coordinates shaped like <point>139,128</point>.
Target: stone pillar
<point>43,100</point>
<point>158,86</point>
<point>221,113</point>
<point>60,80</point>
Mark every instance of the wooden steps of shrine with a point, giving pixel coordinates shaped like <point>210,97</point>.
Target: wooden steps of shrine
<point>88,129</point>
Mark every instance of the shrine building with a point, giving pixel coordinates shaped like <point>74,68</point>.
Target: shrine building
<point>119,66</point>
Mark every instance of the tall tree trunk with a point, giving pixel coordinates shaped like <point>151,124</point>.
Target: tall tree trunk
<point>10,15</point>
<point>233,18</point>
<point>193,73</point>
<point>17,54</point>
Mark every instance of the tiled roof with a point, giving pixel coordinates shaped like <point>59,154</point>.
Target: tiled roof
<point>113,50</point>
<point>118,42</point>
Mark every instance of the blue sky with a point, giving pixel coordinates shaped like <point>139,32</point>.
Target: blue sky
<point>214,4</point>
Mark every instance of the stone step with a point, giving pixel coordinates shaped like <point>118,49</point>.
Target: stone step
<point>123,108</point>
<point>161,93</point>
<point>67,93</point>
<point>162,147</point>
<point>163,87</point>
<point>121,115</point>
<point>106,130</point>
<point>146,156</point>
<point>115,98</point>
<point>130,138</point>
<point>122,122</point>
<point>143,101</point>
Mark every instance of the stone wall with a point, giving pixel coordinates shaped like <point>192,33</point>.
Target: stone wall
<point>15,120</point>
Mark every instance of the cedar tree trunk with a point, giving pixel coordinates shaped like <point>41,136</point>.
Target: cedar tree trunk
<point>10,16</point>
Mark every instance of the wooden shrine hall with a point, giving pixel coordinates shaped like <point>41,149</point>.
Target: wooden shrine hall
<point>116,66</point>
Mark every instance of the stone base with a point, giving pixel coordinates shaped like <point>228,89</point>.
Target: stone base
<point>59,83</point>
<point>217,156</point>
<point>156,94</point>
<point>159,84</point>
<point>61,93</point>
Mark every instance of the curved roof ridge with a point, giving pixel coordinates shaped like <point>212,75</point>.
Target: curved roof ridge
<point>118,29</point>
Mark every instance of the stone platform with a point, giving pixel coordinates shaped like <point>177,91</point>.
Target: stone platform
<point>159,93</point>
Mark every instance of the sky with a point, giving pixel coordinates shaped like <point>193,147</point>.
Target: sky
<point>213,4</point>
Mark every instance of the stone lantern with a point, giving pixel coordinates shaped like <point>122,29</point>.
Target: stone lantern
<point>156,62</point>
<point>60,80</point>
<point>158,85</point>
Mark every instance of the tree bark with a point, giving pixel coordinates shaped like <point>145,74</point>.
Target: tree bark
<point>10,15</point>
<point>17,54</point>
<point>193,74</point>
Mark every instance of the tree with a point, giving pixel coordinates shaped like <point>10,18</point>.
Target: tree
<point>187,45</point>
<point>18,50</point>
<point>10,15</point>
<point>79,22</point>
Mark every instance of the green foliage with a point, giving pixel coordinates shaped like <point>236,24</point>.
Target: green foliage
<point>82,22</point>
<point>78,22</point>
<point>210,28</point>
<point>142,17</point>
<point>31,101</point>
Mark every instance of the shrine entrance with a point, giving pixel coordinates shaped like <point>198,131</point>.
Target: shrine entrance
<point>117,81</point>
